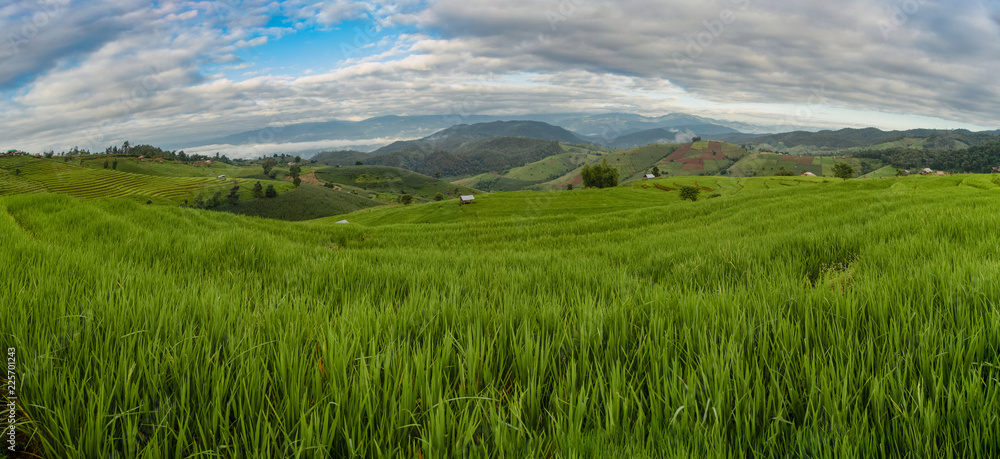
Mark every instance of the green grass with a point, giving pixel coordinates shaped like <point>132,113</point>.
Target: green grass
<point>787,318</point>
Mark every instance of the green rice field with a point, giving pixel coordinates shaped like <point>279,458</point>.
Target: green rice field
<point>788,317</point>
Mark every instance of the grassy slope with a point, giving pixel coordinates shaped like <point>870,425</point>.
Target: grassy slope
<point>788,318</point>
<point>765,164</point>
<point>306,202</point>
<point>391,180</point>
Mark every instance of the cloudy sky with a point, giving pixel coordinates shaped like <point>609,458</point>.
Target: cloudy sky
<point>96,72</point>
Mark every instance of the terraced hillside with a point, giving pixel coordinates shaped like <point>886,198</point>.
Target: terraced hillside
<point>58,176</point>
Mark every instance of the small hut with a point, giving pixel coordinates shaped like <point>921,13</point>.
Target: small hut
<point>467,198</point>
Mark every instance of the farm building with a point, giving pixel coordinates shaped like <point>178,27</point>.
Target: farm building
<point>808,174</point>
<point>221,177</point>
<point>343,222</point>
<point>940,173</point>
<point>996,169</point>
<point>649,177</point>
<point>906,173</point>
<point>466,198</point>
<point>927,171</point>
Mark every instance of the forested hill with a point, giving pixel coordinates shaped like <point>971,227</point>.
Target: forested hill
<point>975,159</point>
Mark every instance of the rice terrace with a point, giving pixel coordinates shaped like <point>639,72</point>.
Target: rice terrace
<point>476,229</point>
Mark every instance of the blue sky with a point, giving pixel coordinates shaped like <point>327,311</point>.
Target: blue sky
<point>92,73</point>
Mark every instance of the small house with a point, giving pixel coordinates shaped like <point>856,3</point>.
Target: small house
<point>940,173</point>
<point>927,171</point>
<point>221,177</point>
<point>142,158</point>
<point>808,174</point>
<point>906,173</point>
<point>343,222</point>
<point>291,163</point>
<point>996,169</point>
<point>467,198</point>
<point>649,177</point>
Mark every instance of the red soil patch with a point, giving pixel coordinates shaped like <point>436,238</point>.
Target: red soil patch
<point>661,187</point>
<point>575,181</point>
<point>309,178</point>
<point>694,164</point>
<point>680,155</point>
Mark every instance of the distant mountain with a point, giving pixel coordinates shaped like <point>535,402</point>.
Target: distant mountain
<point>933,139</point>
<point>465,158</point>
<point>383,130</point>
<point>456,136</point>
<point>678,134</point>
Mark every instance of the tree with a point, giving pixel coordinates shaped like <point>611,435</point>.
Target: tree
<point>696,139</point>
<point>298,159</point>
<point>359,163</point>
<point>843,171</point>
<point>783,172</point>
<point>297,181</point>
<point>294,170</point>
<point>258,191</point>
<point>439,197</point>
<point>216,199</point>
<point>234,193</point>
<point>114,164</point>
<point>437,175</point>
<point>406,199</point>
<point>105,164</point>
<point>268,164</point>
<point>271,192</point>
<point>569,187</point>
<point>199,201</point>
<point>656,171</point>
<point>690,192</point>
<point>599,176</point>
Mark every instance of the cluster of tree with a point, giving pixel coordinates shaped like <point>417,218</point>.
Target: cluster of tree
<point>979,159</point>
<point>599,176</point>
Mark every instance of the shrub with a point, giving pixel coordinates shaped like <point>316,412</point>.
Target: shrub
<point>783,172</point>
<point>406,199</point>
<point>258,191</point>
<point>297,181</point>
<point>271,192</point>
<point>439,197</point>
<point>690,192</point>
<point>569,187</point>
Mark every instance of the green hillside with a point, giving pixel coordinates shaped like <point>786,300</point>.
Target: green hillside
<point>307,202</point>
<point>787,317</point>
<point>372,181</point>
